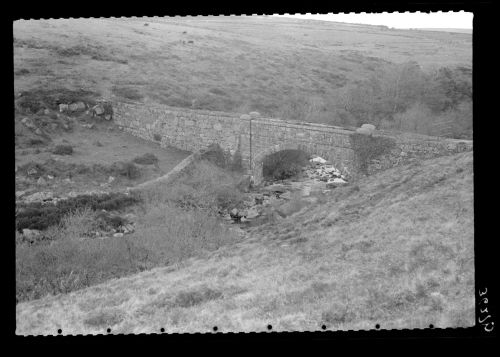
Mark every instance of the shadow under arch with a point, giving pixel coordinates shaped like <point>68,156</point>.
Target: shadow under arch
<point>257,169</point>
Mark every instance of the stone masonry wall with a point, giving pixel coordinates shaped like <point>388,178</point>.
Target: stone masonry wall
<point>192,130</point>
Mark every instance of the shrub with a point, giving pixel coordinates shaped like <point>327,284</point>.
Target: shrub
<point>156,137</point>
<point>38,216</point>
<point>39,98</point>
<point>70,264</point>
<point>63,149</point>
<point>35,141</point>
<point>21,72</point>
<point>367,148</point>
<point>216,155</point>
<point>222,158</point>
<point>284,164</point>
<point>146,159</point>
<point>126,169</point>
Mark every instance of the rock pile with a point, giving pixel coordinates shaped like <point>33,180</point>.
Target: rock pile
<point>102,109</point>
<point>72,107</point>
<point>283,199</point>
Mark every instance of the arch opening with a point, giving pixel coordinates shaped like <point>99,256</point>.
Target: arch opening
<point>284,164</point>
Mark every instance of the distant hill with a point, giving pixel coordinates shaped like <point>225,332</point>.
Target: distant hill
<point>236,64</point>
<point>467,31</point>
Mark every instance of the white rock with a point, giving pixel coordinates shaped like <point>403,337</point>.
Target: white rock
<point>118,235</point>
<point>50,177</point>
<point>111,179</point>
<point>338,180</point>
<point>39,196</point>
<point>318,159</point>
<point>31,233</point>
<point>364,131</point>
<point>252,213</point>
<point>368,126</point>
<point>41,181</point>
<point>98,110</point>
<point>63,108</point>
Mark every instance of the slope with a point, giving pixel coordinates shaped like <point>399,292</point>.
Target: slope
<point>394,249</point>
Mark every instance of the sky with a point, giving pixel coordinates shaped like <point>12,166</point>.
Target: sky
<point>459,20</point>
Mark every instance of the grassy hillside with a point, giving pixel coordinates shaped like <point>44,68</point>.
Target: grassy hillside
<point>240,64</point>
<point>395,249</point>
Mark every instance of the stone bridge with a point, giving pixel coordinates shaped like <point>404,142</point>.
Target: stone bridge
<point>255,137</point>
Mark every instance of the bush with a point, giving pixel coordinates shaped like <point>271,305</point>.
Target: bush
<point>367,148</point>
<point>63,149</point>
<point>126,169</point>
<point>40,98</point>
<point>38,216</point>
<point>146,159</point>
<point>70,264</point>
<point>165,233</point>
<point>156,137</point>
<point>222,158</point>
<point>284,164</point>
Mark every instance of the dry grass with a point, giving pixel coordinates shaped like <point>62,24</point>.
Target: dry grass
<point>398,251</point>
<point>172,224</point>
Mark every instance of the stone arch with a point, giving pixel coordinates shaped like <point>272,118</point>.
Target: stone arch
<point>258,159</point>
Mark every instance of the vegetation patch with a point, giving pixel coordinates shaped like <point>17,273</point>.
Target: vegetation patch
<point>38,216</point>
<point>146,159</point>
<point>222,158</point>
<point>104,319</point>
<point>367,148</point>
<point>63,150</point>
<point>192,298</point>
<point>40,98</point>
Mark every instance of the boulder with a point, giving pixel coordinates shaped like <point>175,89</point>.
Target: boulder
<point>39,197</point>
<point>318,160</point>
<point>252,213</point>
<point>78,106</point>
<point>63,108</point>
<point>254,115</point>
<point>32,171</point>
<point>28,123</point>
<point>369,127</point>
<point>41,181</point>
<point>97,110</point>
<point>31,233</point>
<point>364,131</point>
<point>118,235</point>
<point>107,117</point>
<point>38,131</point>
